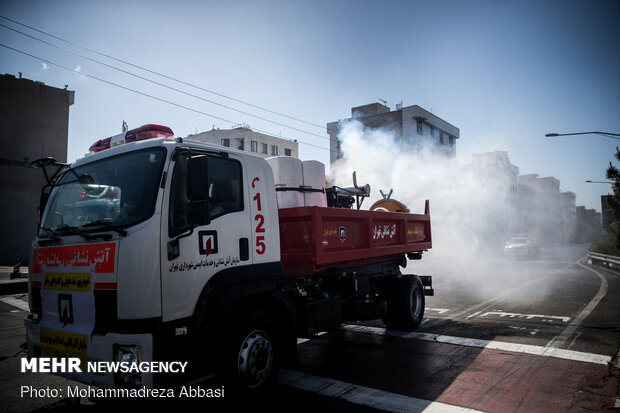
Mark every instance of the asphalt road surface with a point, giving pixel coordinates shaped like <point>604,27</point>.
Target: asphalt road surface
<point>499,335</point>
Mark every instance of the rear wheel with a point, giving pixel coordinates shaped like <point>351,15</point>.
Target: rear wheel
<point>405,303</point>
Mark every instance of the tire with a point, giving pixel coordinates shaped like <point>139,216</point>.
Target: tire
<point>254,354</point>
<point>405,303</point>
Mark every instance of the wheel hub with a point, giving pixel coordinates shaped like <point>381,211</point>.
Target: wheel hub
<point>255,359</point>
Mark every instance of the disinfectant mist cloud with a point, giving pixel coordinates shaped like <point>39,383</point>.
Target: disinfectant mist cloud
<point>472,212</point>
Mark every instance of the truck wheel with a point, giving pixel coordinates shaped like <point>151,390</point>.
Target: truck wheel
<point>254,354</point>
<point>405,303</point>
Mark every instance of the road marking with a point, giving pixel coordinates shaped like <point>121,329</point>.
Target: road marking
<point>502,314</point>
<point>486,303</point>
<point>488,344</point>
<point>561,339</point>
<point>439,310</point>
<point>473,315</point>
<point>365,396</point>
<point>15,302</point>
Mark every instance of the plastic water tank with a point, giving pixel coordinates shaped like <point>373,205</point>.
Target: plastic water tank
<point>287,173</point>
<point>314,178</point>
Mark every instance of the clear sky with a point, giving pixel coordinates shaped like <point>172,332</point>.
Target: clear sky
<point>504,72</point>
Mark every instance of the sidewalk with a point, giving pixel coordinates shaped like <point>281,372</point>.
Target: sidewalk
<point>13,286</point>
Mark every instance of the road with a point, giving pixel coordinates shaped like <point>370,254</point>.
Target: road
<point>499,335</point>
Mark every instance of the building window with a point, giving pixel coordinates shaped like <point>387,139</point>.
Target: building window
<point>226,142</point>
<point>433,132</point>
<point>274,150</point>
<point>420,131</point>
<point>441,137</point>
<point>287,152</point>
<point>254,146</point>
<point>263,148</point>
<point>451,140</point>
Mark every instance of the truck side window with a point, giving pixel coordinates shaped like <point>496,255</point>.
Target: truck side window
<point>225,191</point>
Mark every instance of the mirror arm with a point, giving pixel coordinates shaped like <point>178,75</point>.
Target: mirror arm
<point>173,245</point>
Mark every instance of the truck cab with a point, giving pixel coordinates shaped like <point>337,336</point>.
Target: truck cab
<point>159,249</point>
<point>130,240</point>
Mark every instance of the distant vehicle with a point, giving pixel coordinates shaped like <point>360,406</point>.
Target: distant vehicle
<point>521,247</point>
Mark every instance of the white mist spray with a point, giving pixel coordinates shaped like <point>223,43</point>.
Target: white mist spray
<point>472,212</point>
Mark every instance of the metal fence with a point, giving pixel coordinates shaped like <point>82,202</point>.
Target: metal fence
<point>604,259</point>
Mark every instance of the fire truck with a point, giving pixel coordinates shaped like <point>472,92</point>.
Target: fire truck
<point>156,248</point>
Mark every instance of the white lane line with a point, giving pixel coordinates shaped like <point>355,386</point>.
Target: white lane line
<point>15,302</point>
<point>493,345</point>
<point>547,318</point>
<point>561,339</point>
<point>365,396</point>
<point>439,310</point>
<point>473,315</point>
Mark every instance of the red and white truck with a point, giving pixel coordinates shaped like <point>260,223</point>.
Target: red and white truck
<point>155,248</point>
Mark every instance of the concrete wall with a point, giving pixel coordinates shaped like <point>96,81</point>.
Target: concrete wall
<point>34,123</point>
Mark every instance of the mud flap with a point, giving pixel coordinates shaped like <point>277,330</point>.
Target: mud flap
<point>427,282</point>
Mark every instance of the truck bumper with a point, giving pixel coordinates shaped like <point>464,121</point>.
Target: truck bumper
<point>101,348</point>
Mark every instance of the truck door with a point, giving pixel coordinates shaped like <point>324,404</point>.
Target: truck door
<point>191,256</point>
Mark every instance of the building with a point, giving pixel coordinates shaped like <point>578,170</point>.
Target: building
<point>34,123</point>
<point>242,137</point>
<point>568,210</point>
<point>411,125</point>
<point>545,212</point>
<point>589,224</point>
<point>494,180</point>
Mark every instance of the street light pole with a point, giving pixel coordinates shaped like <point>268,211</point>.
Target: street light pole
<point>606,134</point>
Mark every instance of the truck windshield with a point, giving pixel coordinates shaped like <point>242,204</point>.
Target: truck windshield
<point>110,193</point>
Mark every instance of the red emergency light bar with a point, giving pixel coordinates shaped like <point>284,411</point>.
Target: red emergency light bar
<point>149,131</point>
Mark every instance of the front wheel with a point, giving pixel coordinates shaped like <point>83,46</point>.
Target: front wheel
<point>405,303</point>
<point>254,354</point>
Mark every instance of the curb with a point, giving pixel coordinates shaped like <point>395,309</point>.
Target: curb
<point>19,287</point>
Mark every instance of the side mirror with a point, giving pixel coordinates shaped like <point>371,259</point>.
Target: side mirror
<point>198,208</point>
<point>198,178</point>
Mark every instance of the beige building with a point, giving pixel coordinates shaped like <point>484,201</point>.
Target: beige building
<point>242,137</point>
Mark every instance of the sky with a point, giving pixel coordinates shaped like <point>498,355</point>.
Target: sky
<point>504,72</point>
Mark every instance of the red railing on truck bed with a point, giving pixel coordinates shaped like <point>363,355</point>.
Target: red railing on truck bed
<point>316,239</point>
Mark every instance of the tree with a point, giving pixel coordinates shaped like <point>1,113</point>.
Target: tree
<point>613,202</point>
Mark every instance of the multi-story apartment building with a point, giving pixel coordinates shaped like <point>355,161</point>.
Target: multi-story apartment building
<point>589,224</point>
<point>494,180</point>
<point>545,212</point>
<point>413,126</point>
<point>244,138</point>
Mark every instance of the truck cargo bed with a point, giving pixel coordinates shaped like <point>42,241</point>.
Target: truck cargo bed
<point>316,239</point>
